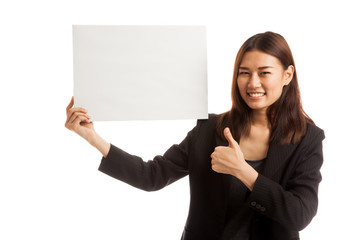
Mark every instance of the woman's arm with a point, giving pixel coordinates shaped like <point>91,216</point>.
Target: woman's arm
<point>295,204</point>
<point>147,175</point>
<point>150,175</point>
<point>154,174</point>
<point>100,144</point>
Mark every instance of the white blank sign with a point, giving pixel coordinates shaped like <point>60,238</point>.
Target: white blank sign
<point>140,72</point>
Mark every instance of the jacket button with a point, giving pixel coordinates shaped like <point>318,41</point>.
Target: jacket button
<point>253,204</point>
<point>258,206</point>
<point>263,209</point>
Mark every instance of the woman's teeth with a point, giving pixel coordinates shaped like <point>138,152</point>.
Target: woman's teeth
<point>256,94</point>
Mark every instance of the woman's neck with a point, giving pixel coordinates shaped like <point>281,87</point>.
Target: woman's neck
<point>259,118</point>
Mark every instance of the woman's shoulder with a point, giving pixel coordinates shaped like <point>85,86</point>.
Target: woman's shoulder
<point>313,130</point>
<point>211,117</point>
<point>208,124</point>
<point>210,121</point>
<point>313,134</point>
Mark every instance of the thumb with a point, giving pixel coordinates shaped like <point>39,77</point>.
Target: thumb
<point>229,137</point>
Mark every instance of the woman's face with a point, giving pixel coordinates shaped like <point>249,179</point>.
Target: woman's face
<point>261,79</point>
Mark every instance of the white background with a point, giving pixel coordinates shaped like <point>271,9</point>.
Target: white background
<point>49,184</point>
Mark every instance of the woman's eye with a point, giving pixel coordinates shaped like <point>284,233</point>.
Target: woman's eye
<point>243,73</point>
<point>264,73</point>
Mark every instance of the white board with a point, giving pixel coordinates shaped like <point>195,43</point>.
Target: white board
<point>140,72</point>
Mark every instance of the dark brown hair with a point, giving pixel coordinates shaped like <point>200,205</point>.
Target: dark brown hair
<point>286,116</point>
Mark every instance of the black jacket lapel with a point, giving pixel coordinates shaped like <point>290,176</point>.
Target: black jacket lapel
<point>277,156</point>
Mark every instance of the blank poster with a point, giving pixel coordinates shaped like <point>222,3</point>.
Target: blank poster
<point>140,72</point>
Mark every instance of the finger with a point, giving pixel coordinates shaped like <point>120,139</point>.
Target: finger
<point>79,109</point>
<point>78,115</point>
<point>213,163</point>
<point>77,122</point>
<point>214,167</point>
<point>212,156</point>
<point>81,119</point>
<point>70,120</point>
<point>229,138</point>
<point>70,104</point>
<point>72,113</point>
<point>76,110</point>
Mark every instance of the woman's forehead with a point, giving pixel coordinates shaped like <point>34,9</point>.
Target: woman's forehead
<point>258,59</point>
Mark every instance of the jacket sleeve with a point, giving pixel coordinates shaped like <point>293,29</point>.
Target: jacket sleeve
<point>153,174</point>
<point>294,205</point>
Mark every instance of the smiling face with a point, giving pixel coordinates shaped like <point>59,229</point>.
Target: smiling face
<point>261,79</point>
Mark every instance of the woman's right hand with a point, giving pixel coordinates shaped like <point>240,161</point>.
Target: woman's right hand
<point>78,121</point>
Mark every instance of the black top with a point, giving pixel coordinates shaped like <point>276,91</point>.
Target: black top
<point>238,214</point>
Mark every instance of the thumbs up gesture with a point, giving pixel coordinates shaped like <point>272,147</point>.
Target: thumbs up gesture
<point>227,160</point>
<point>230,160</point>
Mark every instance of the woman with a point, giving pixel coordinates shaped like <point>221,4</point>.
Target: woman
<point>254,171</point>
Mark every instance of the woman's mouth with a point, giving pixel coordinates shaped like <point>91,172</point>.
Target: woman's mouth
<point>256,94</point>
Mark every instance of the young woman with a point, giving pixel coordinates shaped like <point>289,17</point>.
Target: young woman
<point>254,171</point>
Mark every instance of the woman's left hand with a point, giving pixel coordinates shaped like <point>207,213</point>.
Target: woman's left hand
<point>230,160</point>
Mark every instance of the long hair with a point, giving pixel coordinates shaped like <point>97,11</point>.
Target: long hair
<point>286,116</point>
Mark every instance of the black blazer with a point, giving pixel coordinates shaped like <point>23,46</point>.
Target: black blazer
<point>284,197</point>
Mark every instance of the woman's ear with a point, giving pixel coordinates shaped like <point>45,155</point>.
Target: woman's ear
<point>288,74</point>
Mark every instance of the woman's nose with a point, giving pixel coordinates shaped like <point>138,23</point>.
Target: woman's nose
<point>254,81</point>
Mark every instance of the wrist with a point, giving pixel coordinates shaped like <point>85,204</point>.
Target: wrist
<point>100,144</point>
<point>93,138</point>
<point>247,175</point>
